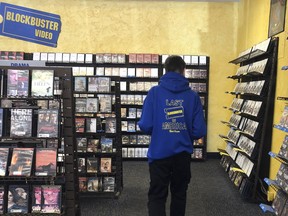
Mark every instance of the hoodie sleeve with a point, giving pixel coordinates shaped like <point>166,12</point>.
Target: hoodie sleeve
<point>146,120</point>
<point>198,125</point>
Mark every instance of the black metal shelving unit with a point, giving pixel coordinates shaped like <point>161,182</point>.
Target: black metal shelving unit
<point>247,161</point>
<point>65,176</point>
<point>115,155</point>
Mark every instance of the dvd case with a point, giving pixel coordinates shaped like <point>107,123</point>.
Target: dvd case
<point>17,82</point>
<point>106,166</point>
<point>4,152</point>
<point>83,184</point>
<point>109,184</point>
<point>46,162</point>
<point>36,199</point>
<point>93,184</point>
<point>92,165</point>
<point>18,199</point>
<point>2,191</point>
<point>42,83</point>
<point>47,123</point>
<point>21,162</point>
<point>21,123</point>
<point>51,199</point>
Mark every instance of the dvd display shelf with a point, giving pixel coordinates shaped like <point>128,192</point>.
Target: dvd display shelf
<point>279,205</point>
<point>98,132</point>
<point>248,140</point>
<point>198,76</point>
<point>141,76</point>
<point>138,73</point>
<point>30,183</point>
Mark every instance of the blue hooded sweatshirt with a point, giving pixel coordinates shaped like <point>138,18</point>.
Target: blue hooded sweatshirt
<point>173,115</point>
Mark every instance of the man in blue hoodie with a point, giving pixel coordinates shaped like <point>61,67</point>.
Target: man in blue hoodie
<point>173,115</point>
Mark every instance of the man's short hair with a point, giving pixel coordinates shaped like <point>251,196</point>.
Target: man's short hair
<point>175,63</point>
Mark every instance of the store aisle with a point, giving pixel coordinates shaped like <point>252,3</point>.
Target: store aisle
<point>210,194</point>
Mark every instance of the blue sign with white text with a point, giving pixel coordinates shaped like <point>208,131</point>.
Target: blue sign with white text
<point>29,25</point>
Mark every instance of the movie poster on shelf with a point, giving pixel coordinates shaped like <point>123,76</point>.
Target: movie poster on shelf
<point>42,83</point>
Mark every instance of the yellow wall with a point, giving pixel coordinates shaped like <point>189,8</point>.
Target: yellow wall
<point>164,27</point>
<point>253,28</point>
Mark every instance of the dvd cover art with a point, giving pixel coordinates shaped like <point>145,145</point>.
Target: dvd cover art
<point>92,84</point>
<point>94,184</point>
<point>92,145</point>
<point>91,125</point>
<point>47,123</point>
<point>17,82</point>
<point>108,184</point>
<point>17,201</point>
<point>110,126</point>
<point>21,123</point>
<point>285,209</point>
<point>43,104</point>
<point>80,124</point>
<point>92,105</point>
<point>46,162</point>
<point>42,83</point>
<point>54,104</point>
<point>92,165</point>
<point>104,84</point>
<point>81,144</point>
<point>279,202</point>
<point>283,152</point>
<point>80,84</point>
<point>284,118</point>
<point>105,103</point>
<point>51,199</point>
<point>36,199</point>
<point>4,152</point>
<point>106,144</point>
<point>81,165</point>
<point>2,190</point>
<point>21,162</point>
<point>80,105</point>
<point>106,165</point>
<point>83,184</point>
<point>125,139</point>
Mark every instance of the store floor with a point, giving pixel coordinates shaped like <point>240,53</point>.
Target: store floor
<point>210,194</point>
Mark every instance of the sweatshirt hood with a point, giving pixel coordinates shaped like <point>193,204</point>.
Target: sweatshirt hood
<point>174,82</point>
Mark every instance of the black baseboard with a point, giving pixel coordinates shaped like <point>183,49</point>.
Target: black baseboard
<point>213,155</point>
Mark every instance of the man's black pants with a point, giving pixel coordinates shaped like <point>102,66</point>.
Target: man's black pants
<point>175,171</point>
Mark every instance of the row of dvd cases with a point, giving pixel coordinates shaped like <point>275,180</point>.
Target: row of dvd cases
<point>37,142</point>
